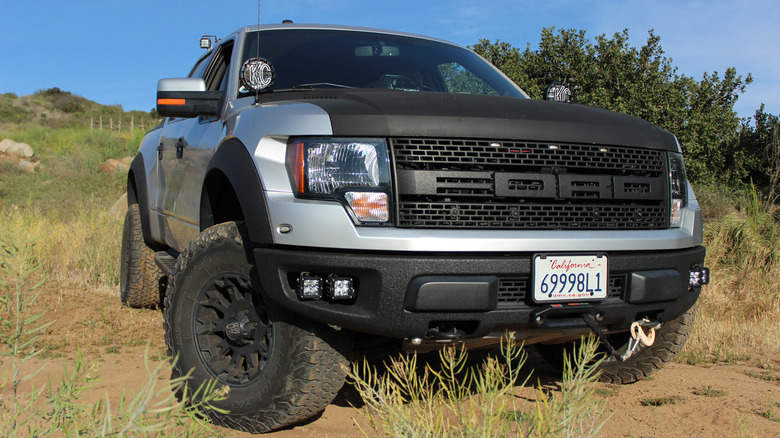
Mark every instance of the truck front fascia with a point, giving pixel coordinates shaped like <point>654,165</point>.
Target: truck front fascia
<point>385,281</point>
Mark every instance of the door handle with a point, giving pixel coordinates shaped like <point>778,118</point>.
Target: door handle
<point>160,151</point>
<point>179,147</point>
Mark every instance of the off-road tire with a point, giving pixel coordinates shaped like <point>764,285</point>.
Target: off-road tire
<point>669,340</point>
<point>139,275</point>
<point>280,369</point>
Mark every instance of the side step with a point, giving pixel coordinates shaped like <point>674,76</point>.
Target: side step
<point>165,261</point>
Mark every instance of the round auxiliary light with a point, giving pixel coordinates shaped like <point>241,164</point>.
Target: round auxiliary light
<point>257,74</point>
<point>557,92</point>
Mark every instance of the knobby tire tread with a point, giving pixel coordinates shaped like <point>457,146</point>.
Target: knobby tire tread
<point>317,369</point>
<point>140,283</point>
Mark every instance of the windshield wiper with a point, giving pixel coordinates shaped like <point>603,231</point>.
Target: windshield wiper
<point>320,85</point>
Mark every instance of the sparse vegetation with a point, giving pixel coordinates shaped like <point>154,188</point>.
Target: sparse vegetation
<point>709,391</point>
<point>738,312</point>
<point>405,398</point>
<point>770,413</point>
<point>57,408</point>
<point>660,401</point>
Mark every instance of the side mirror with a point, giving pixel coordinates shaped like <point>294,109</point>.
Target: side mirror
<point>187,97</point>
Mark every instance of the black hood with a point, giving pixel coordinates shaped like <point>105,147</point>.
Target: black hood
<point>390,113</point>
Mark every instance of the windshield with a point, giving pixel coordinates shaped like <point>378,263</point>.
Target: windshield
<point>305,58</point>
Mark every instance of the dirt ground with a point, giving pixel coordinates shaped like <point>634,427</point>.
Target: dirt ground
<point>736,399</point>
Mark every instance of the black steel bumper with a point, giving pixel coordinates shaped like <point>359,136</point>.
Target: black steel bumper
<point>419,295</point>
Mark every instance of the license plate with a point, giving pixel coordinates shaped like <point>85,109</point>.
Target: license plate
<point>560,278</point>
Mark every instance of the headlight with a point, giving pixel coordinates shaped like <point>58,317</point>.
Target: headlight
<point>678,189</point>
<point>355,171</point>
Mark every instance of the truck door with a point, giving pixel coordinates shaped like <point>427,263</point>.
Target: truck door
<point>186,147</point>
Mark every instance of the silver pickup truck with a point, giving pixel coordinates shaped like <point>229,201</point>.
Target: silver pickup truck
<point>315,191</point>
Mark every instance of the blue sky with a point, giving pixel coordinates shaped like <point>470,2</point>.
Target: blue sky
<point>114,52</point>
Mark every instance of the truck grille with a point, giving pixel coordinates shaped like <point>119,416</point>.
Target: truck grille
<point>477,184</point>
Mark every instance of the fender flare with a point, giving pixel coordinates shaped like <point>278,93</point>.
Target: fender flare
<point>233,163</point>
<point>137,194</point>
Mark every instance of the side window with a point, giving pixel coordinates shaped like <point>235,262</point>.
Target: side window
<point>218,71</point>
<point>200,66</point>
<point>458,79</point>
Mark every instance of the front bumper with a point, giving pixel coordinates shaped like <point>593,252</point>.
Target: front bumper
<point>652,284</point>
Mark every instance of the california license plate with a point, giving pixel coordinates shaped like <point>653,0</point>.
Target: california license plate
<point>561,278</point>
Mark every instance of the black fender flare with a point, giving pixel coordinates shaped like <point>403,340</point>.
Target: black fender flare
<point>137,193</point>
<point>233,163</point>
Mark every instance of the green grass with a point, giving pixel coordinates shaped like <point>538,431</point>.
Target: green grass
<point>660,401</point>
<point>765,376</point>
<point>770,413</point>
<point>709,391</point>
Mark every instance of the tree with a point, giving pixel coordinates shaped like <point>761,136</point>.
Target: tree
<point>611,74</point>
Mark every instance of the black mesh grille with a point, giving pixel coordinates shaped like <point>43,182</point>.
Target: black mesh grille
<point>528,216</point>
<point>475,184</point>
<point>415,152</point>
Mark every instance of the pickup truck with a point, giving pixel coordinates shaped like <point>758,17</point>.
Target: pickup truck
<point>315,191</point>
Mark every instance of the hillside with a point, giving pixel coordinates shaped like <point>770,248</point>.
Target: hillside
<point>56,108</point>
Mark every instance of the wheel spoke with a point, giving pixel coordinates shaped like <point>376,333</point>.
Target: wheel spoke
<point>234,335</point>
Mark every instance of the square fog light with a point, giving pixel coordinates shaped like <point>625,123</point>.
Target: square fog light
<point>340,288</point>
<point>310,287</point>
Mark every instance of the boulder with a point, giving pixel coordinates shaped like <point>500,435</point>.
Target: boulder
<point>5,144</point>
<point>105,168</point>
<point>127,161</point>
<point>20,150</point>
<point>26,166</point>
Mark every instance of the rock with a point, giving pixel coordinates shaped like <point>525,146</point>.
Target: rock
<point>121,167</point>
<point>127,161</point>
<point>5,144</point>
<point>20,150</point>
<point>26,166</point>
<point>118,210</point>
<point>105,168</point>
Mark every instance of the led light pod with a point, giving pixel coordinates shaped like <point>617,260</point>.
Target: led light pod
<point>340,288</point>
<point>310,287</point>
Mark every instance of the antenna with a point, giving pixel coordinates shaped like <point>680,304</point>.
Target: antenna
<point>257,92</point>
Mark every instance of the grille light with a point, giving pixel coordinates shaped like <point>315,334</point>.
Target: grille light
<point>678,189</point>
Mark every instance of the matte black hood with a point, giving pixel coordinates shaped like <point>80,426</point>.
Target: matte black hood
<point>389,113</point>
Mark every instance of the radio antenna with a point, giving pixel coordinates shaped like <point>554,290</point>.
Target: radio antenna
<point>257,92</point>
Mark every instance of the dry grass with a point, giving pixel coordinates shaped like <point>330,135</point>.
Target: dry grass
<point>738,312</point>
<point>80,245</point>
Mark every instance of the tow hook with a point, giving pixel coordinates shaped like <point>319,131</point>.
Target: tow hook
<point>442,333</point>
<point>637,331</point>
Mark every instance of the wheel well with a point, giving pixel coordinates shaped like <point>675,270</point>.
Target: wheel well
<point>219,202</point>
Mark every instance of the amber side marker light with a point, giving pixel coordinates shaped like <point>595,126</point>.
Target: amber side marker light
<point>171,101</point>
<point>295,160</point>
